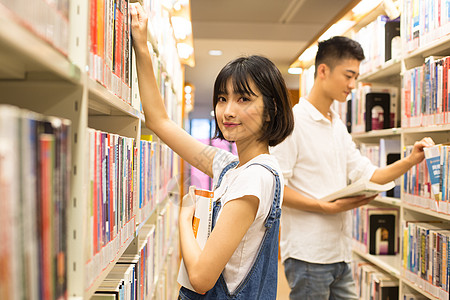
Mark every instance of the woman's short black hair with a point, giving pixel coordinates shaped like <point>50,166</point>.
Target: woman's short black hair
<point>268,79</point>
<point>337,48</point>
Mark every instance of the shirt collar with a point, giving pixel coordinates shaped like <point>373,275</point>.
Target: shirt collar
<point>315,114</point>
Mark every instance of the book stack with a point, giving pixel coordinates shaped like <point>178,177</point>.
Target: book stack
<point>121,283</point>
<point>427,184</point>
<point>425,255</point>
<point>47,19</point>
<point>424,22</point>
<point>166,171</point>
<point>372,39</point>
<point>147,178</point>
<point>110,46</point>
<point>111,197</point>
<point>372,283</point>
<point>35,167</point>
<point>425,93</point>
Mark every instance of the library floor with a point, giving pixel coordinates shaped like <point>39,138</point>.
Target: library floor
<point>283,287</point>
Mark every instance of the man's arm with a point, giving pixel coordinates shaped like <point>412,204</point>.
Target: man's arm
<point>298,201</point>
<point>400,167</point>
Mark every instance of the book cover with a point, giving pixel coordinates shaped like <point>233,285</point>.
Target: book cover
<point>433,162</point>
<point>359,188</point>
<point>201,224</point>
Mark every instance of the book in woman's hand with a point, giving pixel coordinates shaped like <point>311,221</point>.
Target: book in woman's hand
<point>201,225</point>
<point>361,187</point>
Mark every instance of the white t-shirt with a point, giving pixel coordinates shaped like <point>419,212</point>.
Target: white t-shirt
<point>318,159</point>
<point>238,182</point>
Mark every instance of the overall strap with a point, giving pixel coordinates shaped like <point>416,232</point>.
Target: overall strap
<point>228,167</point>
<point>275,210</point>
<point>217,204</point>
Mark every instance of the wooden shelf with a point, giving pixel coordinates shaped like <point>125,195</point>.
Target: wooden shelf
<point>388,263</point>
<point>387,70</point>
<point>103,102</point>
<point>19,60</point>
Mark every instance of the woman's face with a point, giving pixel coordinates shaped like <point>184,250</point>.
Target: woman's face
<point>240,116</point>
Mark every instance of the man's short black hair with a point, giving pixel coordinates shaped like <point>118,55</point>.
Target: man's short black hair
<point>337,48</point>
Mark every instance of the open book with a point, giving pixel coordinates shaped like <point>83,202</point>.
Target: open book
<point>359,188</point>
<point>201,224</point>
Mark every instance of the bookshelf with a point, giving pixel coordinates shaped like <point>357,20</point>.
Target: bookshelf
<point>431,38</point>
<point>45,68</point>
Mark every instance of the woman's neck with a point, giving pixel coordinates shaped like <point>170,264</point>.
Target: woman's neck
<point>248,151</point>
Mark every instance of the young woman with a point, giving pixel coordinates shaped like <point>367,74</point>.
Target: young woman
<point>252,109</point>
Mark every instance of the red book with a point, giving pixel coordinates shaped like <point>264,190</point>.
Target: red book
<point>111,190</point>
<point>47,155</point>
<point>101,39</point>
<point>118,39</point>
<point>93,36</point>
<point>445,88</point>
<point>94,196</point>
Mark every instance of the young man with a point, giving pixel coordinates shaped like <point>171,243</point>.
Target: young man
<point>318,159</point>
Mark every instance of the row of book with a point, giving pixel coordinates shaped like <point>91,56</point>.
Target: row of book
<point>424,22</point>
<point>35,168</point>
<point>372,283</point>
<point>163,38</point>
<point>148,267</point>
<point>427,186</point>
<point>375,229</point>
<point>47,19</point>
<point>373,107</point>
<point>167,226</point>
<point>133,275</point>
<point>381,154</point>
<point>110,45</point>
<point>378,43</point>
<point>425,248</point>
<point>425,93</point>
<point>111,196</point>
<point>147,177</point>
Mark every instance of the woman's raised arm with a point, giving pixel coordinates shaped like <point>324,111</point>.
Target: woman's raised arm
<point>191,150</point>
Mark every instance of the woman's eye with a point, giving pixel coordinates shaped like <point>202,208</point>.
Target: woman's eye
<point>221,99</point>
<point>244,99</point>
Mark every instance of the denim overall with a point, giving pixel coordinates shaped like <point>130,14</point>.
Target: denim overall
<point>261,280</point>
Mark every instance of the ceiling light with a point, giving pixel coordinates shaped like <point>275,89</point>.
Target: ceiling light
<point>181,27</point>
<point>365,6</point>
<point>187,89</point>
<point>338,28</point>
<point>215,52</point>
<point>309,53</point>
<point>184,50</point>
<point>295,71</point>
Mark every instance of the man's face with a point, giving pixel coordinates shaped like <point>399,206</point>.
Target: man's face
<point>342,79</point>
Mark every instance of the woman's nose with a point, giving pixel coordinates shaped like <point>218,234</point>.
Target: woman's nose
<point>230,109</point>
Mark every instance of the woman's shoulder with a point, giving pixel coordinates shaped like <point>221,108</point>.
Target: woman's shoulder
<point>266,161</point>
<point>222,158</point>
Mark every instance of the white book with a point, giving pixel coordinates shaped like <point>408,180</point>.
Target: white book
<point>202,226</point>
<point>359,188</point>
